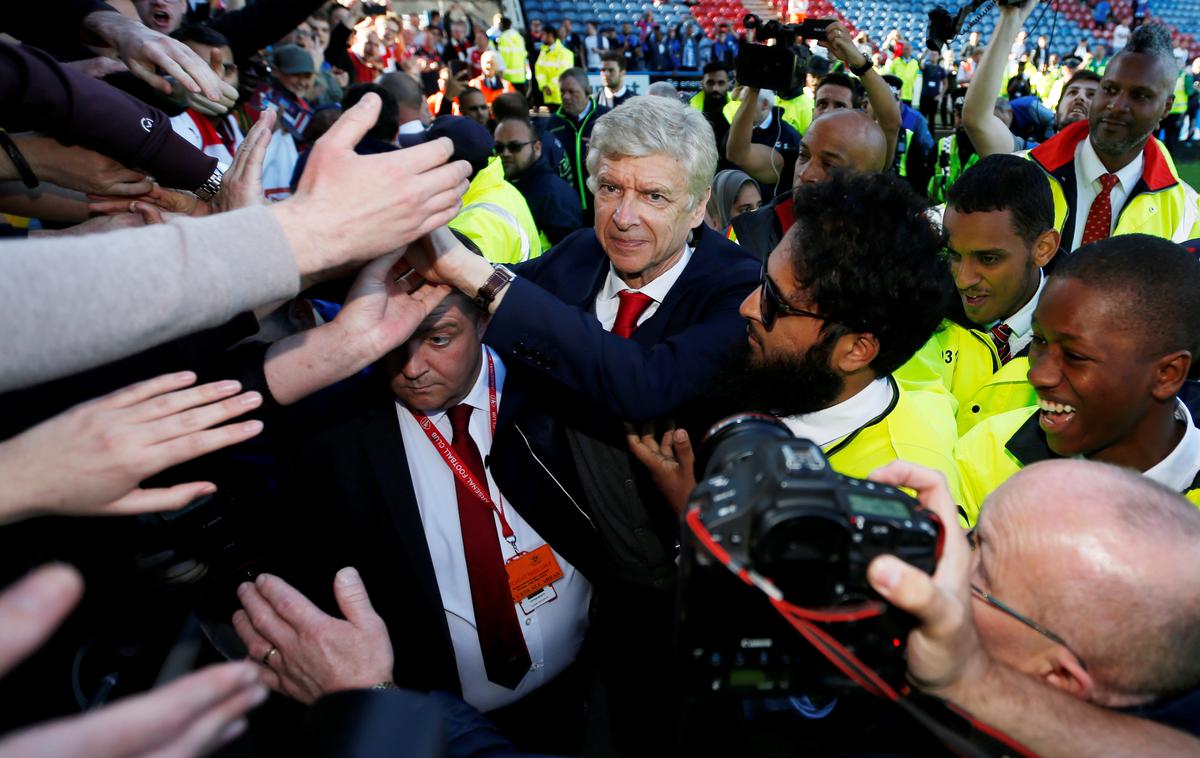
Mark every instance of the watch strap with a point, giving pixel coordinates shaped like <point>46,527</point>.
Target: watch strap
<point>211,186</point>
<point>28,178</point>
<point>499,279</point>
<point>864,68</point>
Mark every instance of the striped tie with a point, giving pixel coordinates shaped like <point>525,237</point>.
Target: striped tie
<point>1000,334</point>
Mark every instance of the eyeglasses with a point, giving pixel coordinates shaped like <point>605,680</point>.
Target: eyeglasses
<point>771,304</point>
<point>512,147</point>
<point>986,597</point>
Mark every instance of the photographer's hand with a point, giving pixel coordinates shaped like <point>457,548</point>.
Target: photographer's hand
<point>944,649</point>
<point>671,462</point>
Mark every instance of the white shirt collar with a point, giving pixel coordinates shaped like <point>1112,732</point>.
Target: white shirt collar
<point>831,424</point>
<point>766,122</point>
<point>657,289</point>
<point>1178,469</point>
<point>1093,168</point>
<point>1021,322</point>
<point>412,127</point>
<point>618,93</point>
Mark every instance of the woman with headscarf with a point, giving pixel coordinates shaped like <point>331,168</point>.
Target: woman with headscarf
<point>733,193</point>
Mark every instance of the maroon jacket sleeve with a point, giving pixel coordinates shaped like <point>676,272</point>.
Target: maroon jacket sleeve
<point>37,93</point>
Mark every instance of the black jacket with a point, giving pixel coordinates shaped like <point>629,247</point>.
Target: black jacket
<point>555,207</point>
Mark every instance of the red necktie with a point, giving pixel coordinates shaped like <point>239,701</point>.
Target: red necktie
<point>1099,218</point>
<point>632,306</point>
<point>505,656</point>
<point>1000,334</point>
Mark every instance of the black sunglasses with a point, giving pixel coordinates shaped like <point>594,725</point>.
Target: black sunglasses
<point>771,304</point>
<point>512,147</point>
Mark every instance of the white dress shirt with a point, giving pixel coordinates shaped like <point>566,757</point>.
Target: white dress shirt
<point>831,424</point>
<point>554,631</point>
<point>1088,170</point>
<point>1178,469</point>
<point>1021,322</point>
<point>607,302</point>
<point>412,127</point>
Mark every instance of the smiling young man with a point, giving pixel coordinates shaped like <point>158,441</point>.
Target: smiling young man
<point>1114,335</point>
<point>999,221</point>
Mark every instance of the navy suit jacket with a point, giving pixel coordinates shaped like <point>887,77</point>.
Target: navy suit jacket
<point>546,329</point>
<point>581,381</point>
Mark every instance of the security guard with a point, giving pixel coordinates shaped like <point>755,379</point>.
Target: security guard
<point>494,215</point>
<point>511,46</point>
<point>1114,336</point>
<point>907,69</point>
<point>554,59</point>
<point>999,221</point>
<point>1129,182</point>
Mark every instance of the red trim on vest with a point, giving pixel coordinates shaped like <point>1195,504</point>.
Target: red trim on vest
<point>786,213</point>
<point>1059,151</point>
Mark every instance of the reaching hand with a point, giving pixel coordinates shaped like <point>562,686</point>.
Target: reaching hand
<point>383,311</point>
<point>192,716</point>
<point>398,196</point>
<point>81,169</point>
<point>314,653</point>
<point>241,186</point>
<point>671,462</point>
<point>145,51</point>
<point>32,608</point>
<point>944,649</point>
<point>91,458</point>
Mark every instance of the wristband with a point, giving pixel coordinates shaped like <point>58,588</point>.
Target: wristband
<point>28,178</point>
<point>384,686</point>
<point>864,68</point>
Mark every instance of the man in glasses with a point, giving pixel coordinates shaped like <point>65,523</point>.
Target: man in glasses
<point>1071,624</point>
<point>555,207</point>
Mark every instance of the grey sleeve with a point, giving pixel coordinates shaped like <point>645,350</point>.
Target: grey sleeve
<point>71,303</point>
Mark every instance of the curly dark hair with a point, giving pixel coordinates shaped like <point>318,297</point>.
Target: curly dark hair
<point>870,258</point>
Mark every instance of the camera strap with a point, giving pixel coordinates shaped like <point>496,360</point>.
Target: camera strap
<point>955,728</point>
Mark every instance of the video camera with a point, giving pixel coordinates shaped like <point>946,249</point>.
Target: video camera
<point>781,67</point>
<point>772,508</point>
<point>944,27</point>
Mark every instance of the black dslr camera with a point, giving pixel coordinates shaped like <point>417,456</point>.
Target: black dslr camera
<point>772,502</point>
<point>781,67</point>
<point>944,27</point>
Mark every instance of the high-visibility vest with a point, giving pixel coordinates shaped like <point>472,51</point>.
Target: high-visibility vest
<point>551,62</point>
<point>496,218</point>
<point>511,47</point>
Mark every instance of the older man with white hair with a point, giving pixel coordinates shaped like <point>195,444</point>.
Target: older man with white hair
<point>490,82</point>
<point>628,321</point>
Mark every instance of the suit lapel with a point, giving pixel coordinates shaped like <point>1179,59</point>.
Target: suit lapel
<point>384,449</point>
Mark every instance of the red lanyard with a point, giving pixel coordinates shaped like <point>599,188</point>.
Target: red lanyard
<point>456,466</point>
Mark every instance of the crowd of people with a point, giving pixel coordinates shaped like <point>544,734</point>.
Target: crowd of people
<point>360,362</point>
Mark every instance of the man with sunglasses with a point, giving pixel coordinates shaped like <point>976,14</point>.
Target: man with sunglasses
<point>1067,619</point>
<point>828,326</point>
<point>555,207</point>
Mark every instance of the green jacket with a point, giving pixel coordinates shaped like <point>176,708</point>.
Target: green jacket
<point>1161,204</point>
<point>947,169</point>
<point>496,218</point>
